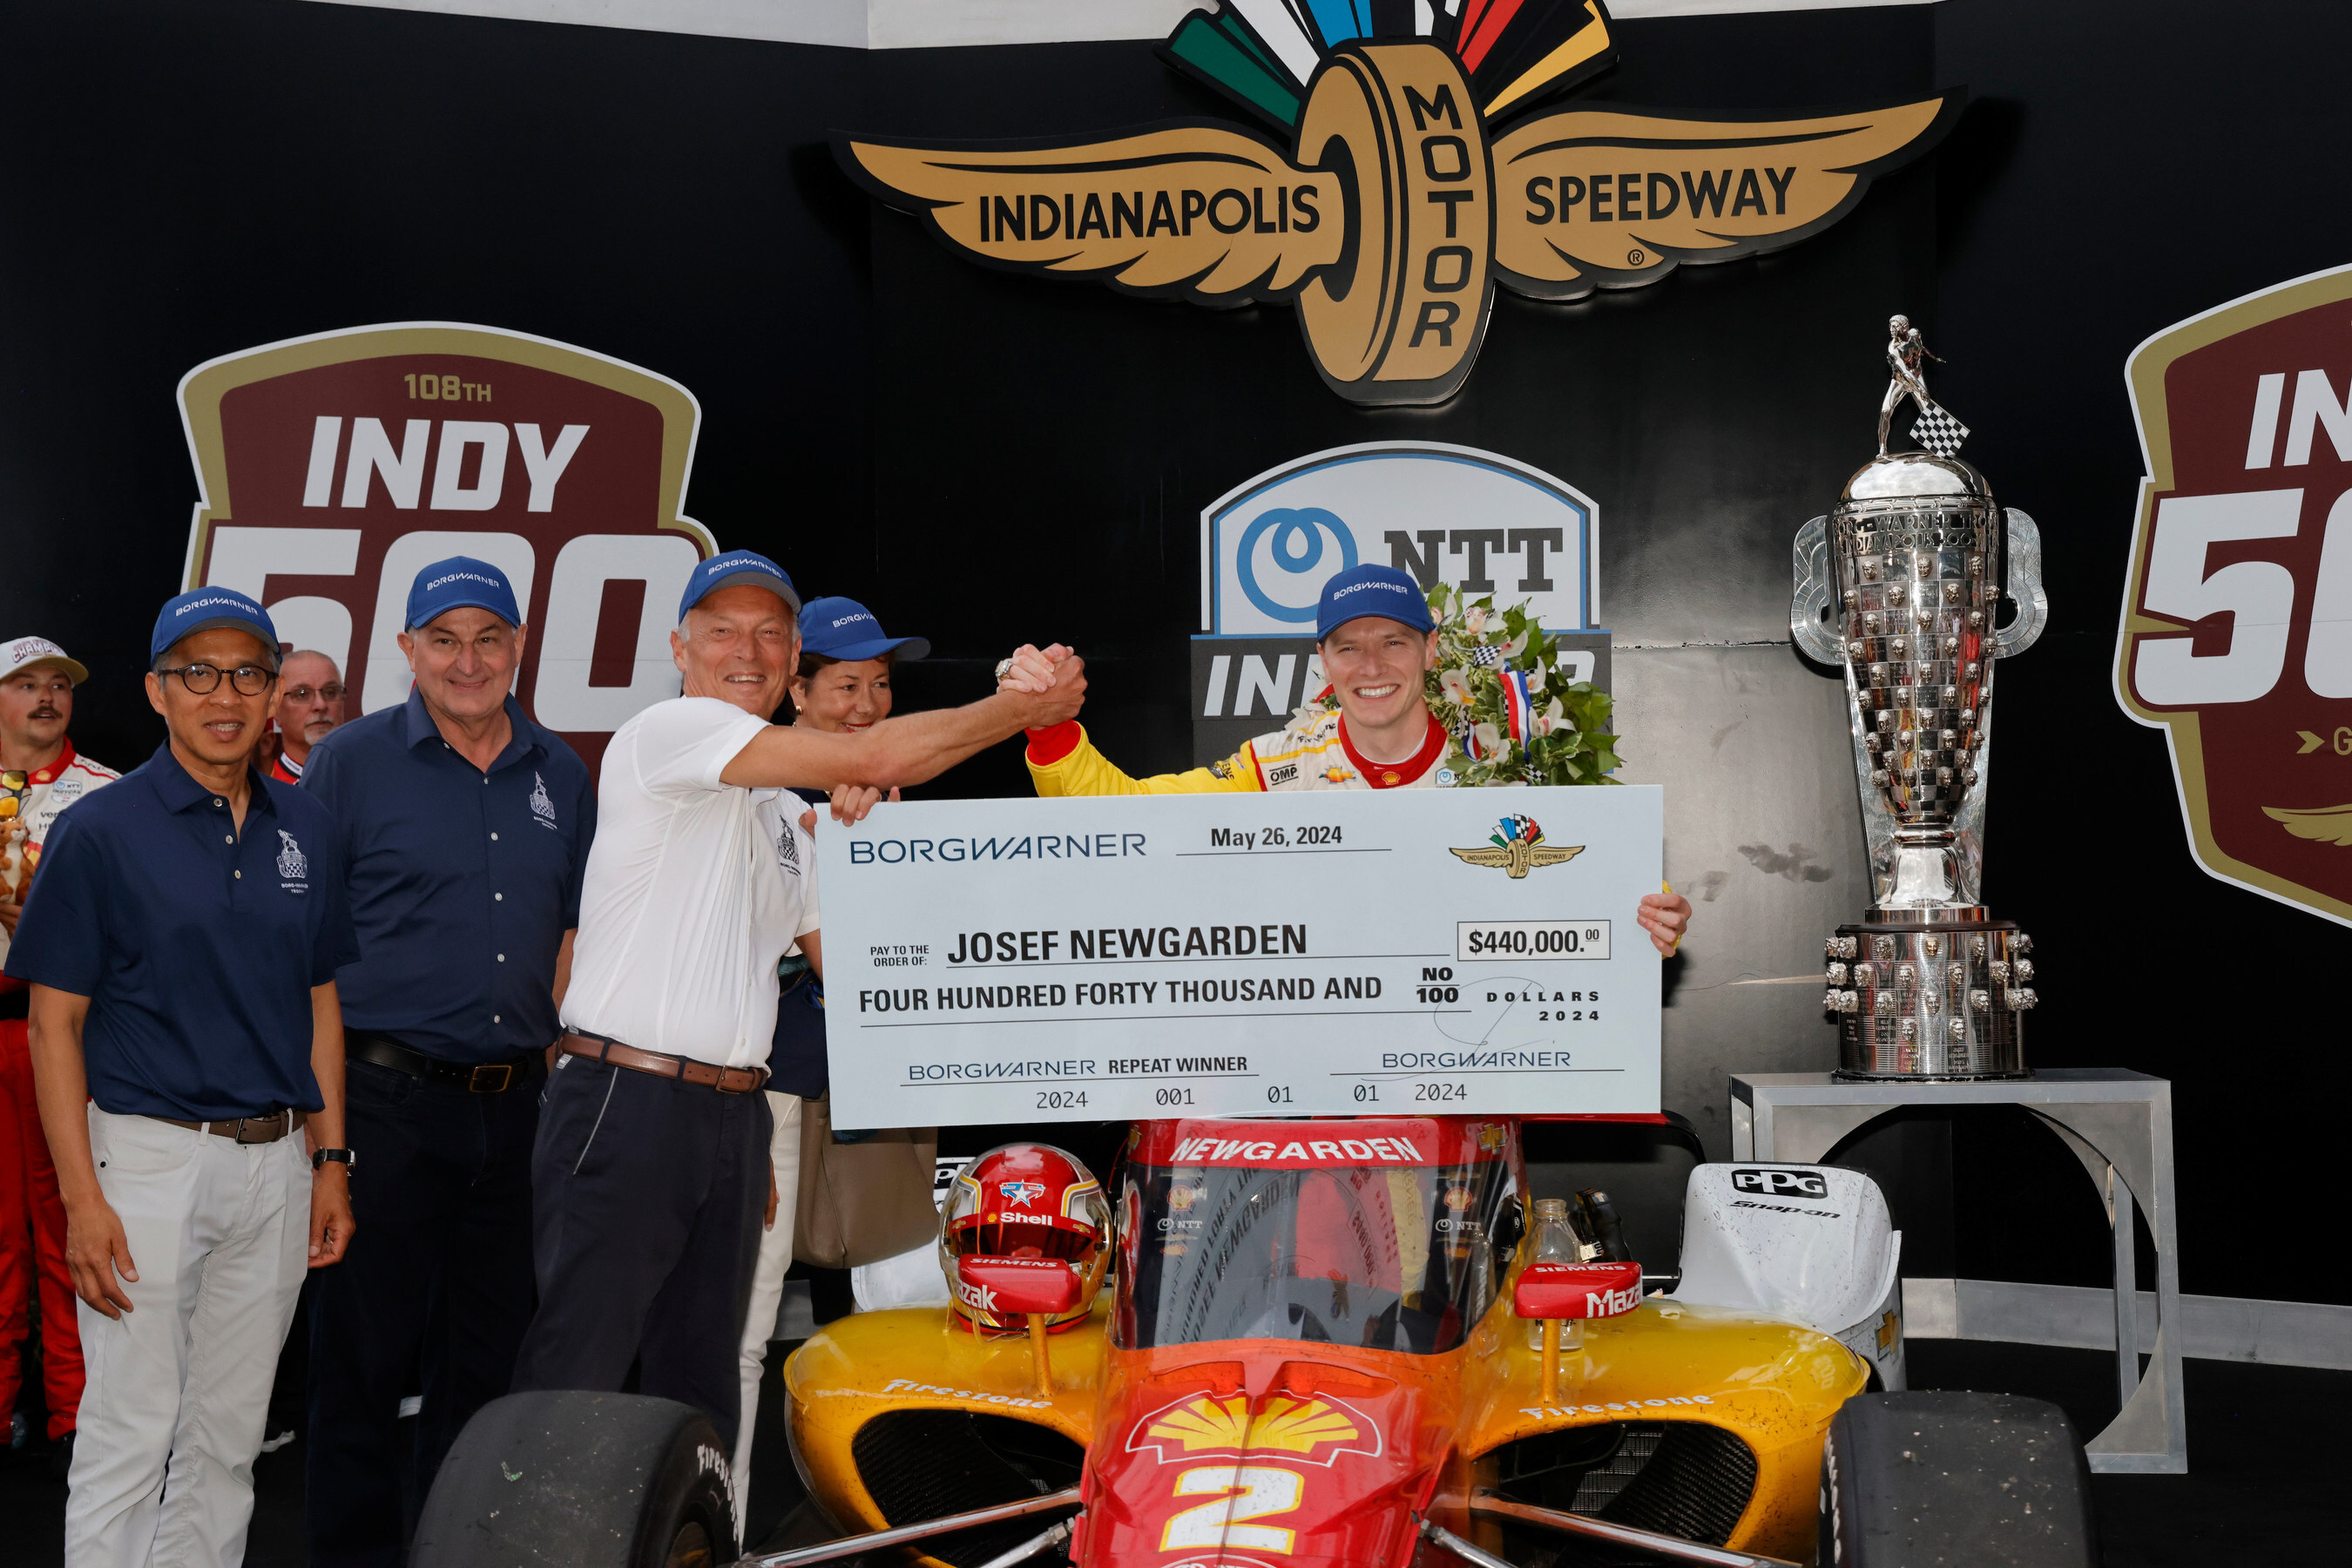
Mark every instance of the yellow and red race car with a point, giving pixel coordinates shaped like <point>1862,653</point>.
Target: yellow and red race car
<point>1351,1343</point>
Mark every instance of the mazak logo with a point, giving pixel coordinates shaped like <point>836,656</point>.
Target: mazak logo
<point>330,469</point>
<point>1517,848</point>
<point>2237,619</point>
<point>1419,176</point>
<point>1782,1184</point>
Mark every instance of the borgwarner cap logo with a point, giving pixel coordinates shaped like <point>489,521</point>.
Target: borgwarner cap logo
<point>1386,222</point>
<point>2237,620</point>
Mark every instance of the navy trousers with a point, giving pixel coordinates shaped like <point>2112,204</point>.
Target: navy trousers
<point>434,1296</point>
<point>650,1197</point>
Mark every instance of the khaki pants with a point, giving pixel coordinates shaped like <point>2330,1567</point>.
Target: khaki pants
<point>768,1281</point>
<point>178,1389</point>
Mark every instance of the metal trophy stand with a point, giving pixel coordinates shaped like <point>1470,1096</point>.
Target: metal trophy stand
<point>2120,1125</point>
<point>1900,587</point>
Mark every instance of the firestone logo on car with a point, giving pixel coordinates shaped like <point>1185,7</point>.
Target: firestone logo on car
<point>2237,620</point>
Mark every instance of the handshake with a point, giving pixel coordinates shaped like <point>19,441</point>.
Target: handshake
<point>1054,676</point>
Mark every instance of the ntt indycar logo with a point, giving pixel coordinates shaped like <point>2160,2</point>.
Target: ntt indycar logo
<point>1026,846</point>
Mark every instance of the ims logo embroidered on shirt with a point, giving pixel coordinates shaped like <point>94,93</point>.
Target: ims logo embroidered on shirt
<point>292,864</point>
<point>541,806</point>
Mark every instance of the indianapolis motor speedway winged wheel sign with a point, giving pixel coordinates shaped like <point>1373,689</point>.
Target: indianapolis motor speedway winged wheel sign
<point>1419,176</point>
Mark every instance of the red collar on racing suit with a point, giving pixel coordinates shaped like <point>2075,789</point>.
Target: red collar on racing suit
<point>51,773</point>
<point>1388,776</point>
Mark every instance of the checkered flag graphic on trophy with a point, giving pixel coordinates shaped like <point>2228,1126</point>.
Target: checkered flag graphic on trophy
<point>1939,432</point>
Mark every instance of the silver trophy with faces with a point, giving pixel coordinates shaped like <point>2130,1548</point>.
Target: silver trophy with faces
<point>1902,586</point>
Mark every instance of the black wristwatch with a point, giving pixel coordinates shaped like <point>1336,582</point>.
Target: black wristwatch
<point>343,1157</point>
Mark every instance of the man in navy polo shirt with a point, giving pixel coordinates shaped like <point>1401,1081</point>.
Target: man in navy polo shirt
<point>182,942</point>
<point>464,828</point>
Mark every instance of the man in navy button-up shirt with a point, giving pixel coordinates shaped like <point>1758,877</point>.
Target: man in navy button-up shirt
<point>181,941</point>
<point>466,828</point>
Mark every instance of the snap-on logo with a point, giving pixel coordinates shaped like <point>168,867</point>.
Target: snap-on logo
<point>1782,1184</point>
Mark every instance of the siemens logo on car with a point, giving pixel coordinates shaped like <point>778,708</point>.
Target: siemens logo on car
<point>1027,847</point>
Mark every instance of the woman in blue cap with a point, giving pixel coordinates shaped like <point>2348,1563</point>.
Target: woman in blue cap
<point>844,684</point>
<point>846,663</point>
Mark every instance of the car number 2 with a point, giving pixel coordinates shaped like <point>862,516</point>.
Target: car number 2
<point>1257,1490</point>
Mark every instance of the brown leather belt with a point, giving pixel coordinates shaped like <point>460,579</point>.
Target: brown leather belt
<point>244,1129</point>
<point>725,1080</point>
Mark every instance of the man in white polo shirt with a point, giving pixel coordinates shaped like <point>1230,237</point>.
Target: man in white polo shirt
<point>650,1176</point>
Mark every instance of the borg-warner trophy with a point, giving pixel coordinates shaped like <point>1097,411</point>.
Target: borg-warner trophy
<point>1902,586</point>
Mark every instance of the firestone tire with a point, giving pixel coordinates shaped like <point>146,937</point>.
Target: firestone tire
<point>581,1480</point>
<point>1927,1480</point>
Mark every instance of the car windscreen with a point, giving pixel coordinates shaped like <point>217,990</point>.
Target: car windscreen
<point>1393,1258</point>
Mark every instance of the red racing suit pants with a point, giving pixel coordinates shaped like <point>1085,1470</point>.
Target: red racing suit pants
<point>33,1244</point>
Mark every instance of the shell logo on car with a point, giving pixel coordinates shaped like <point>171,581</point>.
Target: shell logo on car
<point>1318,1430</point>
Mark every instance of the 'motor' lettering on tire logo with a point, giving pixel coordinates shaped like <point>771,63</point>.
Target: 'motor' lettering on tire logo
<point>1418,178</point>
<point>1412,307</point>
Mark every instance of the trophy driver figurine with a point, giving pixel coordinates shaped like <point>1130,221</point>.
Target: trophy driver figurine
<point>1934,430</point>
<point>1902,586</point>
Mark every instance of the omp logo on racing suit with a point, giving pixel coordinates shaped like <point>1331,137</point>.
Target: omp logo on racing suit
<point>1282,774</point>
<point>1782,1184</point>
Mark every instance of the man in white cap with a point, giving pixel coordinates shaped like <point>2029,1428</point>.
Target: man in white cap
<point>40,775</point>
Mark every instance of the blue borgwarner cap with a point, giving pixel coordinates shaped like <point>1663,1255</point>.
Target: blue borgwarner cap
<point>743,566</point>
<point>201,609</point>
<point>1371,590</point>
<point>457,584</point>
<point>846,630</point>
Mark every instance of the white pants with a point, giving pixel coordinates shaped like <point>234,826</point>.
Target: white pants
<point>220,1234</point>
<point>768,1280</point>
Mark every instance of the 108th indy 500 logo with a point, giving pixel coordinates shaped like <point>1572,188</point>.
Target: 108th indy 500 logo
<point>1418,177</point>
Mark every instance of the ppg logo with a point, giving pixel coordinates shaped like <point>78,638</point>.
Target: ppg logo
<point>1283,550</point>
<point>1782,1184</point>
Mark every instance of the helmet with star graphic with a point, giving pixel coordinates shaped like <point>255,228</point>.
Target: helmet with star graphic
<point>1024,1200</point>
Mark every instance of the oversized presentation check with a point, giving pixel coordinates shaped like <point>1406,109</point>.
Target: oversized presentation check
<point>1333,952</point>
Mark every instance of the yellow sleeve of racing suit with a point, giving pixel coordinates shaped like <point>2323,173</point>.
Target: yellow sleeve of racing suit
<point>1077,768</point>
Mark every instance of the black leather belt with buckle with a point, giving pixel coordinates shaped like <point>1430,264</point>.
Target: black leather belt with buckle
<point>476,1078</point>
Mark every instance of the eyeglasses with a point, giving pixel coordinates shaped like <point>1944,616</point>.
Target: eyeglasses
<point>332,693</point>
<point>249,679</point>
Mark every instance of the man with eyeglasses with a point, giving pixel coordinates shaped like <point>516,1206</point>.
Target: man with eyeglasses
<point>309,704</point>
<point>464,828</point>
<point>40,775</point>
<point>181,941</point>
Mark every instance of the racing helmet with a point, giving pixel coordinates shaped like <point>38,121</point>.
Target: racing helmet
<point>1024,1200</point>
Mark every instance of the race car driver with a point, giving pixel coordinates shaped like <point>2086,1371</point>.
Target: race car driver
<point>1377,640</point>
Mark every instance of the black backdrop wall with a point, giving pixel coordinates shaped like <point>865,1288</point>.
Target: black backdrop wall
<point>990,459</point>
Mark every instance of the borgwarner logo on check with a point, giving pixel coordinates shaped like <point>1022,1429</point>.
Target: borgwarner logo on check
<point>1419,176</point>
